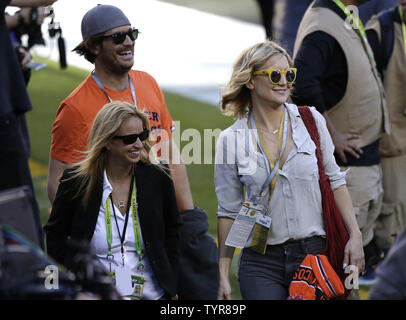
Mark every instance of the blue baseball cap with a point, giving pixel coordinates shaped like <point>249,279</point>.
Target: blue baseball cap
<point>102,18</point>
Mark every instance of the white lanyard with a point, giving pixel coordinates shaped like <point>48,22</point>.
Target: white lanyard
<point>96,79</point>
<point>271,174</point>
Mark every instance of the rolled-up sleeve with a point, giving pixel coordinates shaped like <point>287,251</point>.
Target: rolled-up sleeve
<point>336,176</point>
<point>229,189</point>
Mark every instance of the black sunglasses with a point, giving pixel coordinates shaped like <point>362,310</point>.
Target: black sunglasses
<point>119,37</point>
<point>131,138</point>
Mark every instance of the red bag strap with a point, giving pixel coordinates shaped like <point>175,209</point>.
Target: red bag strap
<point>311,127</point>
<point>336,232</point>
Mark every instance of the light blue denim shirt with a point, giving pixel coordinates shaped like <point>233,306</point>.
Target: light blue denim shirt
<point>295,206</point>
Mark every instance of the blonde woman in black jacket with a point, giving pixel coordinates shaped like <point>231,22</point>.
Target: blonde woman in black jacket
<point>123,205</point>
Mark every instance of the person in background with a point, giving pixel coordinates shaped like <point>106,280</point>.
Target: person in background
<point>290,197</point>
<point>391,274</point>
<point>267,12</point>
<point>123,205</point>
<point>332,51</point>
<point>23,56</point>
<point>386,33</point>
<point>281,18</point>
<point>14,103</point>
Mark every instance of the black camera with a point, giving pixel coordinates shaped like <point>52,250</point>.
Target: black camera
<point>33,30</point>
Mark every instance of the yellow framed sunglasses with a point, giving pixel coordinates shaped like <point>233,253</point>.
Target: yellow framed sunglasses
<point>275,75</point>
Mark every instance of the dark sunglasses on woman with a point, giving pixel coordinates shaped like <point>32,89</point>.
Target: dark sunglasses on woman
<point>132,138</point>
<point>119,37</point>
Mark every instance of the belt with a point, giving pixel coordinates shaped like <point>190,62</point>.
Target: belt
<point>301,244</point>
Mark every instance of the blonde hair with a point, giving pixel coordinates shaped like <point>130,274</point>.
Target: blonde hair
<point>238,97</point>
<point>106,125</point>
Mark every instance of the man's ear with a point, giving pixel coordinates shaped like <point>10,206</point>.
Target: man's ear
<point>95,49</point>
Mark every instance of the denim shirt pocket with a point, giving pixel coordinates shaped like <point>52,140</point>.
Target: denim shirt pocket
<point>253,181</point>
<point>305,161</point>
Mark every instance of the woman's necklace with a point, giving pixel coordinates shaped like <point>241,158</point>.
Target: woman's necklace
<point>273,131</point>
<point>121,203</point>
<point>276,131</point>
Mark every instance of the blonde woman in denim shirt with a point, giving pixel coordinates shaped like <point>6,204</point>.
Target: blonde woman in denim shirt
<point>256,96</point>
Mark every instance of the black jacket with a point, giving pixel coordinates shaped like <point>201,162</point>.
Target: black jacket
<point>198,269</point>
<point>158,215</point>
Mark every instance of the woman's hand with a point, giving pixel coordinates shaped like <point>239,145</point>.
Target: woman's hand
<point>354,253</point>
<point>226,254</point>
<point>224,292</point>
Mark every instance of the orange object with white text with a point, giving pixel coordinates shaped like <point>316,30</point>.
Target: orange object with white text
<point>315,279</point>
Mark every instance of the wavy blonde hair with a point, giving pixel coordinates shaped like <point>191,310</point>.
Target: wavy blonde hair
<point>106,126</point>
<point>237,97</point>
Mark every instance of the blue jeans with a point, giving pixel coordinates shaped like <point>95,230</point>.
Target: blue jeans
<point>267,277</point>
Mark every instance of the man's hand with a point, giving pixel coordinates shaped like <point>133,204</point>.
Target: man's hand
<point>343,141</point>
<point>343,144</point>
<point>24,56</point>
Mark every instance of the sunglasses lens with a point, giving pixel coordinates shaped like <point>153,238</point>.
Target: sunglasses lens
<point>130,139</point>
<point>119,37</point>
<point>133,34</point>
<point>144,135</point>
<point>290,76</point>
<point>275,76</point>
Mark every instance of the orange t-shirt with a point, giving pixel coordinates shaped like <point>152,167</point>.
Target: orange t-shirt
<point>75,115</point>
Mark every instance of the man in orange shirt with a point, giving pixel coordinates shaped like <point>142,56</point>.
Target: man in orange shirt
<point>109,44</point>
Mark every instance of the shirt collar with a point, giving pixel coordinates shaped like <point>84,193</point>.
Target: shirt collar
<point>329,4</point>
<point>107,187</point>
<point>299,131</point>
